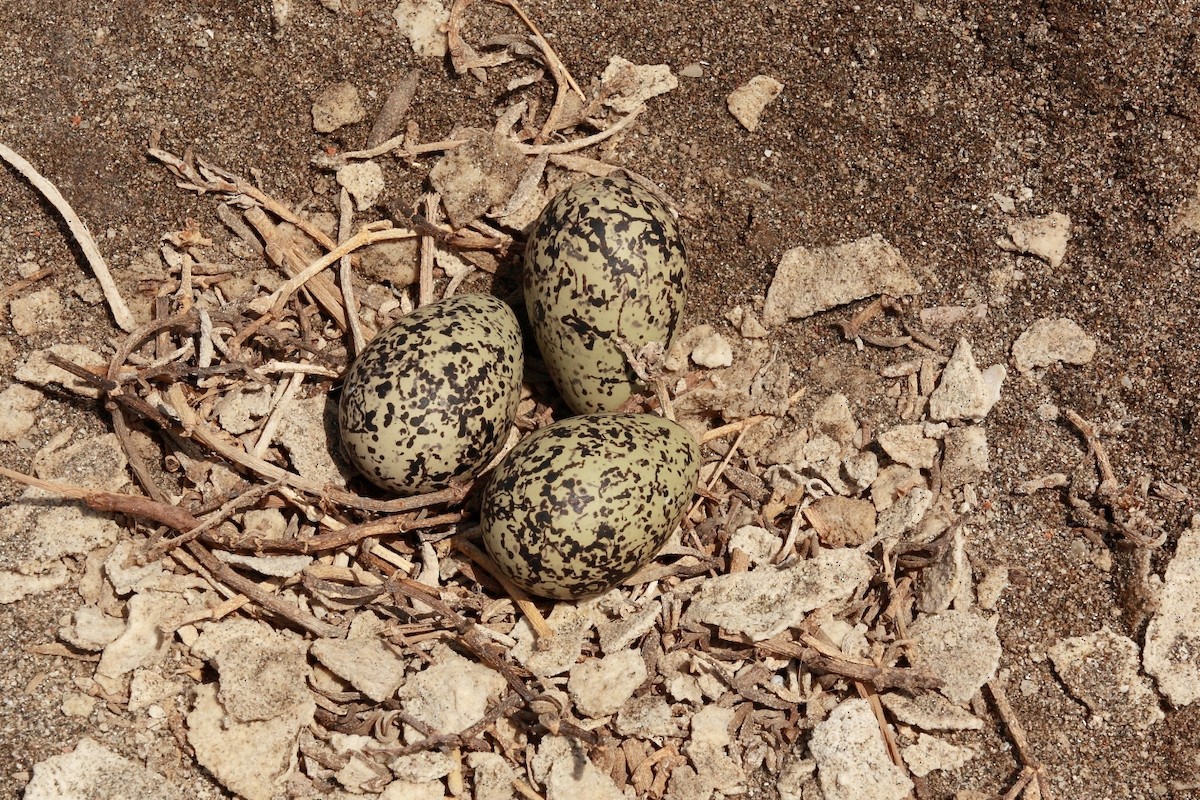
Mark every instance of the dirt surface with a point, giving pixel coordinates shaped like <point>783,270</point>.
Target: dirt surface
<point>904,120</point>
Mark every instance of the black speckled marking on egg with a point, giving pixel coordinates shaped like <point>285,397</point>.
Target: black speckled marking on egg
<point>582,504</point>
<point>604,260</point>
<point>431,400</point>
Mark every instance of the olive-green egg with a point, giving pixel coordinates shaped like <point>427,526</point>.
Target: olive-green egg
<point>431,400</point>
<point>580,505</point>
<point>604,262</point>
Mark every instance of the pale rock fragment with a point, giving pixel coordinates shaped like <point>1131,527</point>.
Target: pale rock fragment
<point>563,767</point>
<point>395,262</point>
<point>1187,213</point>
<point>97,462</point>
<point>1173,635</point>
<point>862,468</point>
<point>758,543</point>
<point>148,688</point>
<point>559,653</point>
<point>750,327</point>
<point>964,392</point>
<point>240,410</point>
<point>91,630</point>
<point>273,566</point>
<point>39,372</point>
<point>947,581</point>
<point>124,572</point>
<point>964,456</point>
<point>17,404</point>
<point>682,345</point>
<point>367,664</point>
<point>1045,237</point>
<point>14,586</point>
<point>944,316</point>
<point>478,175</point>
<point>798,779</point>
<point>1052,341</point>
<point>421,767</point>
<point>834,419</point>
<point>1101,671</point>
<point>689,679</point>
<point>768,600</point>
<point>991,585</point>
<point>93,772</point>
<point>907,444</point>
<point>959,647</point>
<point>809,280</point>
<point>930,711</point>
<point>407,790</point>
<point>308,432</point>
<point>451,695</point>
<point>264,523</point>
<point>422,22</point>
<point>847,522</point>
<point>363,180</point>
<point>716,771</point>
<point>251,759</point>
<point>692,70</point>
<point>713,352</point>
<point>647,717</point>
<point>493,776</point>
<point>36,311</point>
<point>618,634</point>
<point>600,686</point>
<point>930,753</point>
<point>625,85</point>
<point>893,482</point>
<point>852,760</point>
<point>77,704</point>
<point>748,101</point>
<point>263,673</point>
<point>905,514</point>
<point>56,528</point>
<point>336,106</point>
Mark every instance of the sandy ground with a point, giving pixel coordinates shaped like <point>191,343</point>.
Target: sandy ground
<point>901,119</point>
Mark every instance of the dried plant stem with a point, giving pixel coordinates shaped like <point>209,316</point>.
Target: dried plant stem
<point>16,288</point>
<point>370,234</point>
<point>346,274</point>
<point>121,314</point>
<point>536,621</point>
<point>587,141</point>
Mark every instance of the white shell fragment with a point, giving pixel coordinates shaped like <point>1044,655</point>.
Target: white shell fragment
<point>748,101</point>
<point>93,772</point>
<point>599,687</point>
<point>1045,237</point>
<point>959,647</point>
<point>1101,671</point>
<point>1171,637</point>
<point>768,601</point>
<point>337,106</point>
<point>930,711</point>
<point>1052,341</point>
<point>364,181</point>
<point>931,753</point>
<point>852,760</point>
<point>625,85</point>
<point>809,280</point>
<point>422,22</point>
<point>964,392</point>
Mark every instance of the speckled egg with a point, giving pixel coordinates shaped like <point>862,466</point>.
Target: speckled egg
<point>580,505</point>
<point>603,262</point>
<point>431,400</point>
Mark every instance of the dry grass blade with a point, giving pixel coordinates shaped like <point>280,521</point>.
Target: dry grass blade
<point>120,311</point>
